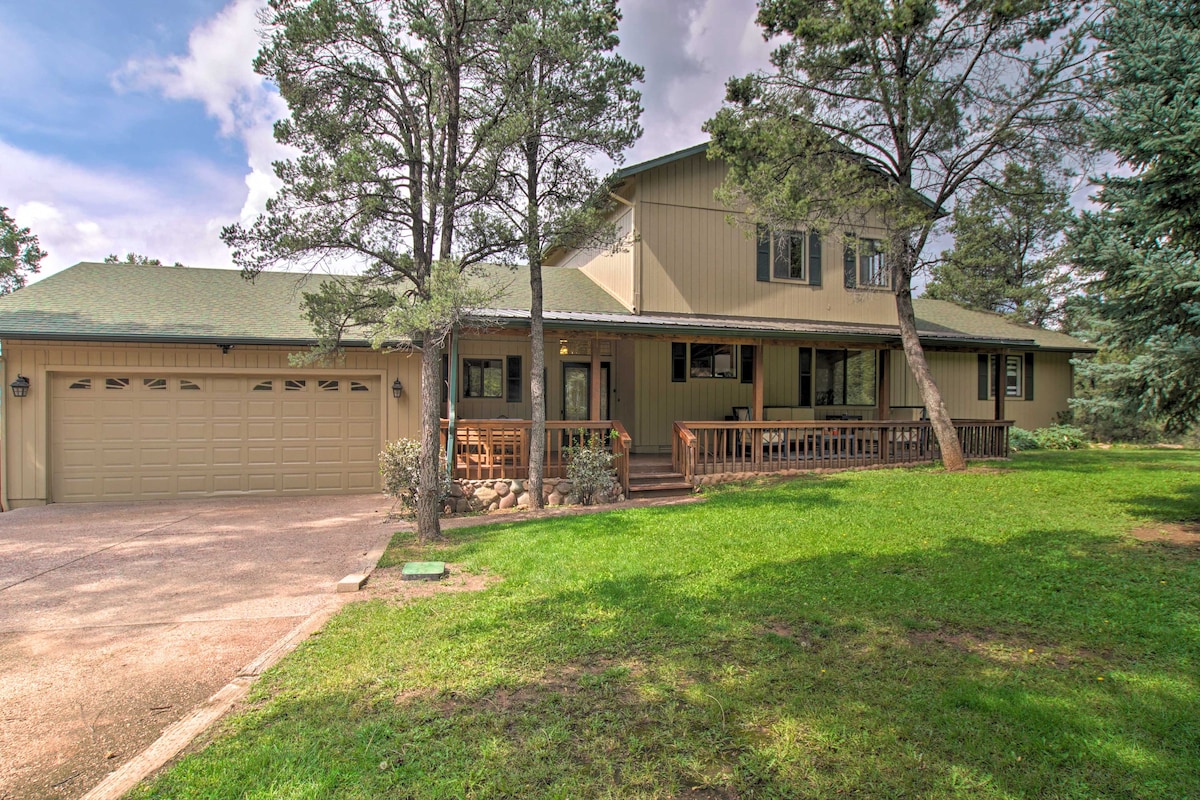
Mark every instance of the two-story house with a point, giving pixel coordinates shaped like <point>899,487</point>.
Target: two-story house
<point>731,352</point>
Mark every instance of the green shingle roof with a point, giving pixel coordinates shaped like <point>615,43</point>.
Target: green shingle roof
<point>942,316</point>
<point>130,302</point>
<point>134,301</point>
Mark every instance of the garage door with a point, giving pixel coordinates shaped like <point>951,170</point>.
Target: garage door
<point>137,437</point>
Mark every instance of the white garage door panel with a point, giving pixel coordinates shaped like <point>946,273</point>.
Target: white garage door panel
<point>120,437</point>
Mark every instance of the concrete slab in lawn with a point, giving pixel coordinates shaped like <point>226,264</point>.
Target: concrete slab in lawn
<point>117,619</point>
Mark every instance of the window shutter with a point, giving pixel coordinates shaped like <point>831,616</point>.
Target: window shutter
<point>814,259</point>
<point>764,254</point>
<point>984,364</point>
<point>678,362</point>
<point>512,390</point>
<point>1029,376</point>
<point>850,266</point>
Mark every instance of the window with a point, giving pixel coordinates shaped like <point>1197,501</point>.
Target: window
<point>81,383</point>
<point>359,386</point>
<point>1014,375</point>
<point>291,385</point>
<point>482,377</point>
<point>159,384</point>
<point>788,255</point>
<point>806,360</point>
<point>678,362</point>
<point>713,361</point>
<point>512,384</point>
<point>747,363</point>
<point>327,386</point>
<point>264,386</point>
<point>188,386</point>
<point>116,383</point>
<point>866,265</point>
<point>844,378</point>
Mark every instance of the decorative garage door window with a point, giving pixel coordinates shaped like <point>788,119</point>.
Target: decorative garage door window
<point>81,383</point>
<point>155,384</point>
<point>116,383</point>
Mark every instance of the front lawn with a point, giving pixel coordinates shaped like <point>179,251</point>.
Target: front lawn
<point>881,634</point>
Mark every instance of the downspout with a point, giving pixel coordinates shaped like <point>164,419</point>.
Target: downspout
<point>451,408</point>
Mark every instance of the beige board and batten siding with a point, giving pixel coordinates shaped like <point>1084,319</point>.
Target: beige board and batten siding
<point>500,347</point>
<point>696,261</point>
<point>27,421</point>
<point>957,376</point>
<point>611,267</point>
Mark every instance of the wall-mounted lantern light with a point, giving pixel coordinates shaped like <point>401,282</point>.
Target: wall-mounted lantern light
<point>20,387</point>
<point>397,388</point>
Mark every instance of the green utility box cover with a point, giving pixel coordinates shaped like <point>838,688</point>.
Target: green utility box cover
<point>424,571</point>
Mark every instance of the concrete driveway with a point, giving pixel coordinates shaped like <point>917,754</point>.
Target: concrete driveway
<point>117,619</point>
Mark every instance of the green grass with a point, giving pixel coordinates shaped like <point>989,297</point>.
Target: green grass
<point>876,634</point>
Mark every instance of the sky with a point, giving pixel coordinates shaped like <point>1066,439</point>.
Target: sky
<point>140,126</point>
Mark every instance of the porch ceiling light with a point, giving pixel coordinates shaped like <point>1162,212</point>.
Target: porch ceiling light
<point>397,388</point>
<point>20,387</point>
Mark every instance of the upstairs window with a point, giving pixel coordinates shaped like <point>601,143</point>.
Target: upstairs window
<point>789,255</point>
<point>866,265</point>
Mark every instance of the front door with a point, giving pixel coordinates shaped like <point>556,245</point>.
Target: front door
<point>577,392</point>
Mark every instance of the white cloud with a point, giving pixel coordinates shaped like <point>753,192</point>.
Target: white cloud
<point>689,49</point>
<point>217,71</point>
<point>83,214</point>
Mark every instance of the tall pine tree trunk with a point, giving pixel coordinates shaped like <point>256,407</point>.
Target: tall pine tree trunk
<point>537,390</point>
<point>904,259</point>
<point>428,511</point>
<point>537,339</point>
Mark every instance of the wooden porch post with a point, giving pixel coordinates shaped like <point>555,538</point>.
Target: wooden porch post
<point>999,381</point>
<point>758,381</point>
<point>757,414</point>
<point>594,387</point>
<point>884,401</point>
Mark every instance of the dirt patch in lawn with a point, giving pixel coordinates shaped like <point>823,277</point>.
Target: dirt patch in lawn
<point>1008,649</point>
<point>1173,534</point>
<point>388,584</point>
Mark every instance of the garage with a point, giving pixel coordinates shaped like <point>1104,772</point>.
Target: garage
<point>136,435</point>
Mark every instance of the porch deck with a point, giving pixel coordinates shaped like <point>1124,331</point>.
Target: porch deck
<point>493,448</point>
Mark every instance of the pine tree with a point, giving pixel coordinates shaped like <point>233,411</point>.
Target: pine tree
<point>1143,247</point>
<point>1009,253</point>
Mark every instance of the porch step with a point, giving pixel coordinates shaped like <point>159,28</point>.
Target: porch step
<point>654,475</point>
<point>646,485</point>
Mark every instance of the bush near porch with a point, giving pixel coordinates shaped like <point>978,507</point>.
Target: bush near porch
<point>1025,631</point>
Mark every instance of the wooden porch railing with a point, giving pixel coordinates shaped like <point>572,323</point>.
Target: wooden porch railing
<point>712,448</point>
<point>499,448</point>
